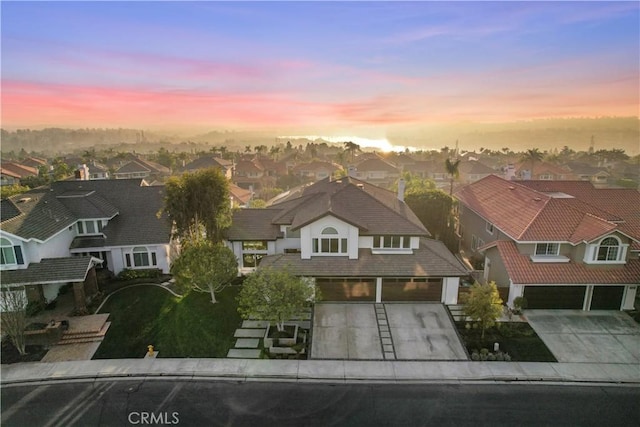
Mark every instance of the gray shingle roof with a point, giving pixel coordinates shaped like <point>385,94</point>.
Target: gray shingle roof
<point>50,270</point>
<point>375,211</point>
<point>87,242</point>
<point>254,224</point>
<point>137,223</point>
<point>433,259</point>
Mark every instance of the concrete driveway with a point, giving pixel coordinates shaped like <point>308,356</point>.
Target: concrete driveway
<point>389,331</point>
<point>588,336</point>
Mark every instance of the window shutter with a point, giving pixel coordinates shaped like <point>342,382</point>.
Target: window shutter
<point>127,258</point>
<point>154,261</point>
<point>19,257</point>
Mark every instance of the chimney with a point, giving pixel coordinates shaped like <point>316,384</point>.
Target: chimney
<point>352,171</point>
<point>401,186</point>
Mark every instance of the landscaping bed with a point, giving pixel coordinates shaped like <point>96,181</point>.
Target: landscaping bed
<point>35,353</point>
<point>517,339</point>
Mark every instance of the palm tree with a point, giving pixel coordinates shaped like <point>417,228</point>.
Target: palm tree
<point>452,170</point>
<point>532,155</point>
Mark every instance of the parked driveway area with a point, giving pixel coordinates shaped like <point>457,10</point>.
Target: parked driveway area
<point>389,331</point>
<point>588,336</point>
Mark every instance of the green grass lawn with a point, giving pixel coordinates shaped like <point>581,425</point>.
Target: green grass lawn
<point>516,338</point>
<point>177,327</point>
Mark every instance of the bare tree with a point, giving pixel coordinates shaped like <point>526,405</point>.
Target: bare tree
<point>13,305</point>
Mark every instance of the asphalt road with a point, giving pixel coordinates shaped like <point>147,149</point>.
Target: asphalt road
<point>258,404</point>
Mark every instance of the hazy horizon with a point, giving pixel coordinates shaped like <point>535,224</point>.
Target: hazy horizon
<point>384,71</point>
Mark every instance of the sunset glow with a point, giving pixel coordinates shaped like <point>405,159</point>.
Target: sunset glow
<point>325,68</point>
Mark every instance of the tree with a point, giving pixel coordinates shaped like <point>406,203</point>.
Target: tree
<point>205,267</point>
<point>13,316</point>
<point>274,295</point>
<point>452,170</point>
<point>434,208</point>
<point>483,305</point>
<point>12,190</point>
<point>198,200</point>
<point>352,148</point>
<point>532,155</point>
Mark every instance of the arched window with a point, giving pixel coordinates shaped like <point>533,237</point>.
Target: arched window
<point>142,257</point>
<point>330,245</point>
<point>608,250</point>
<point>8,255</point>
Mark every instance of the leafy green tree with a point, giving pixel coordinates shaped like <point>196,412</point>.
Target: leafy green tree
<point>351,147</point>
<point>434,208</point>
<point>483,305</point>
<point>452,170</point>
<point>12,190</point>
<point>274,295</point>
<point>13,316</point>
<point>205,266</point>
<point>198,200</point>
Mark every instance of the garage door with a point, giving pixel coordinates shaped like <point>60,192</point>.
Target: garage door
<point>564,297</point>
<point>412,290</point>
<point>607,297</point>
<point>338,289</point>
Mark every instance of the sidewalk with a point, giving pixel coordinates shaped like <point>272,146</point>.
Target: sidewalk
<point>337,371</point>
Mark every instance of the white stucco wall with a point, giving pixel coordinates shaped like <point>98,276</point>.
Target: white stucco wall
<point>314,230</point>
<point>629,297</point>
<point>51,290</point>
<point>450,290</point>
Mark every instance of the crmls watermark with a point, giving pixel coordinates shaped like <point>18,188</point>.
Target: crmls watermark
<point>152,418</point>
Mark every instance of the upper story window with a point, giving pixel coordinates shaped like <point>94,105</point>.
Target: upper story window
<point>392,242</point>
<point>608,250</point>
<point>289,234</point>
<point>489,227</point>
<point>547,248</point>
<point>90,227</point>
<point>330,242</point>
<point>10,254</point>
<point>258,245</point>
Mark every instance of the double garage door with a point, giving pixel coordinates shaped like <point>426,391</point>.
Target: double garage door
<point>572,297</point>
<point>364,289</point>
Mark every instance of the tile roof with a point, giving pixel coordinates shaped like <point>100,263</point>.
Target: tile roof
<point>525,214</point>
<point>87,242</point>
<point>431,260</point>
<point>87,205</point>
<point>474,167</point>
<point>376,164</point>
<point>18,169</point>
<point>51,270</point>
<point>375,211</point>
<point>523,271</point>
<point>207,162</point>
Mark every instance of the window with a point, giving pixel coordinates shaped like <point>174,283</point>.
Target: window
<point>141,257</point>
<point>547,248</point>
<point>254,245</point>
<point>546,177</point>
<point>8,254</point>
<point>292,234</point>
<point>489,227</point>
<point>608,249</point>
<point>392,242</point>
<point>329,245</point>
<point>90,227</point>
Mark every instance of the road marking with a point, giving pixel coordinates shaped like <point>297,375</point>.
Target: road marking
<point>20,404</point>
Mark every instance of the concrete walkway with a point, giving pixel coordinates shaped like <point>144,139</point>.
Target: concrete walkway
<point>322,371</point>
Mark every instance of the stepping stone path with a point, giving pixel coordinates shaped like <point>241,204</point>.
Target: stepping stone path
<point>249,333</point>
<point>247,343</point>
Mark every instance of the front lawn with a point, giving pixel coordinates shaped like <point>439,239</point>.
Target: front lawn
<point>517,339</point>
<point>177,327</point>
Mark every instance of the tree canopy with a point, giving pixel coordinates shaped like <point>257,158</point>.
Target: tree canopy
<point>274,295</point>
<point>434,209</point>
<point>199,200</point>
<point>483,305</point>
<point>205,267</point>
<point>13,316</point>
<point>452,170</point>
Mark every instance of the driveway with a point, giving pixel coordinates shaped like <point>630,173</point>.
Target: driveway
<point>389,331</point>
<point>588,336</point>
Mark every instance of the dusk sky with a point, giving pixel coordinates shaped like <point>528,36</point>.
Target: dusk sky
<point>316,67</point>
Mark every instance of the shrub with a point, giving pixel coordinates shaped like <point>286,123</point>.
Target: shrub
<point>491,357</point>
<point>129,274</point>
<point>499,356</point>
<point>519,304</point>
<point>507,358</point>
<point>475,356</point>
<point>34,307</point>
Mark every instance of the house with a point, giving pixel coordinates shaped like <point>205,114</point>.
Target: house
<point>543,171</point>
<point>585,172</point>
<point>239,196</point>
<point>17,170</point>
<point>560,244</point>
<point>315,170</point>
<point>8,177</point>
<point>377,171</point>
<point>53,236</point>
<point>250,174</point>
<point>35,162</point>
<point>98,171</point>
<point>356,241</point>
<point>473,170</point>
<point>207,162</point>
<point>140,168</point>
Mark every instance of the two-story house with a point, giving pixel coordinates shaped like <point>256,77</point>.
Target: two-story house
<point>207,162</point>
<point>377,171</point>
<point>560,244</point>
<point>358,242</point>
<point>315,170</point>
<point>54,236</point>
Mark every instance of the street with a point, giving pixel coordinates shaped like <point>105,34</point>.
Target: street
<point>211,403</point>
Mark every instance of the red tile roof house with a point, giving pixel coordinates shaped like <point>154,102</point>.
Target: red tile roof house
<point>54,236</point>
<point>543,171</point>
<point>250,174</point>
<point>560,244</point>
<point>358,242</point>
<point>16,169</point>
